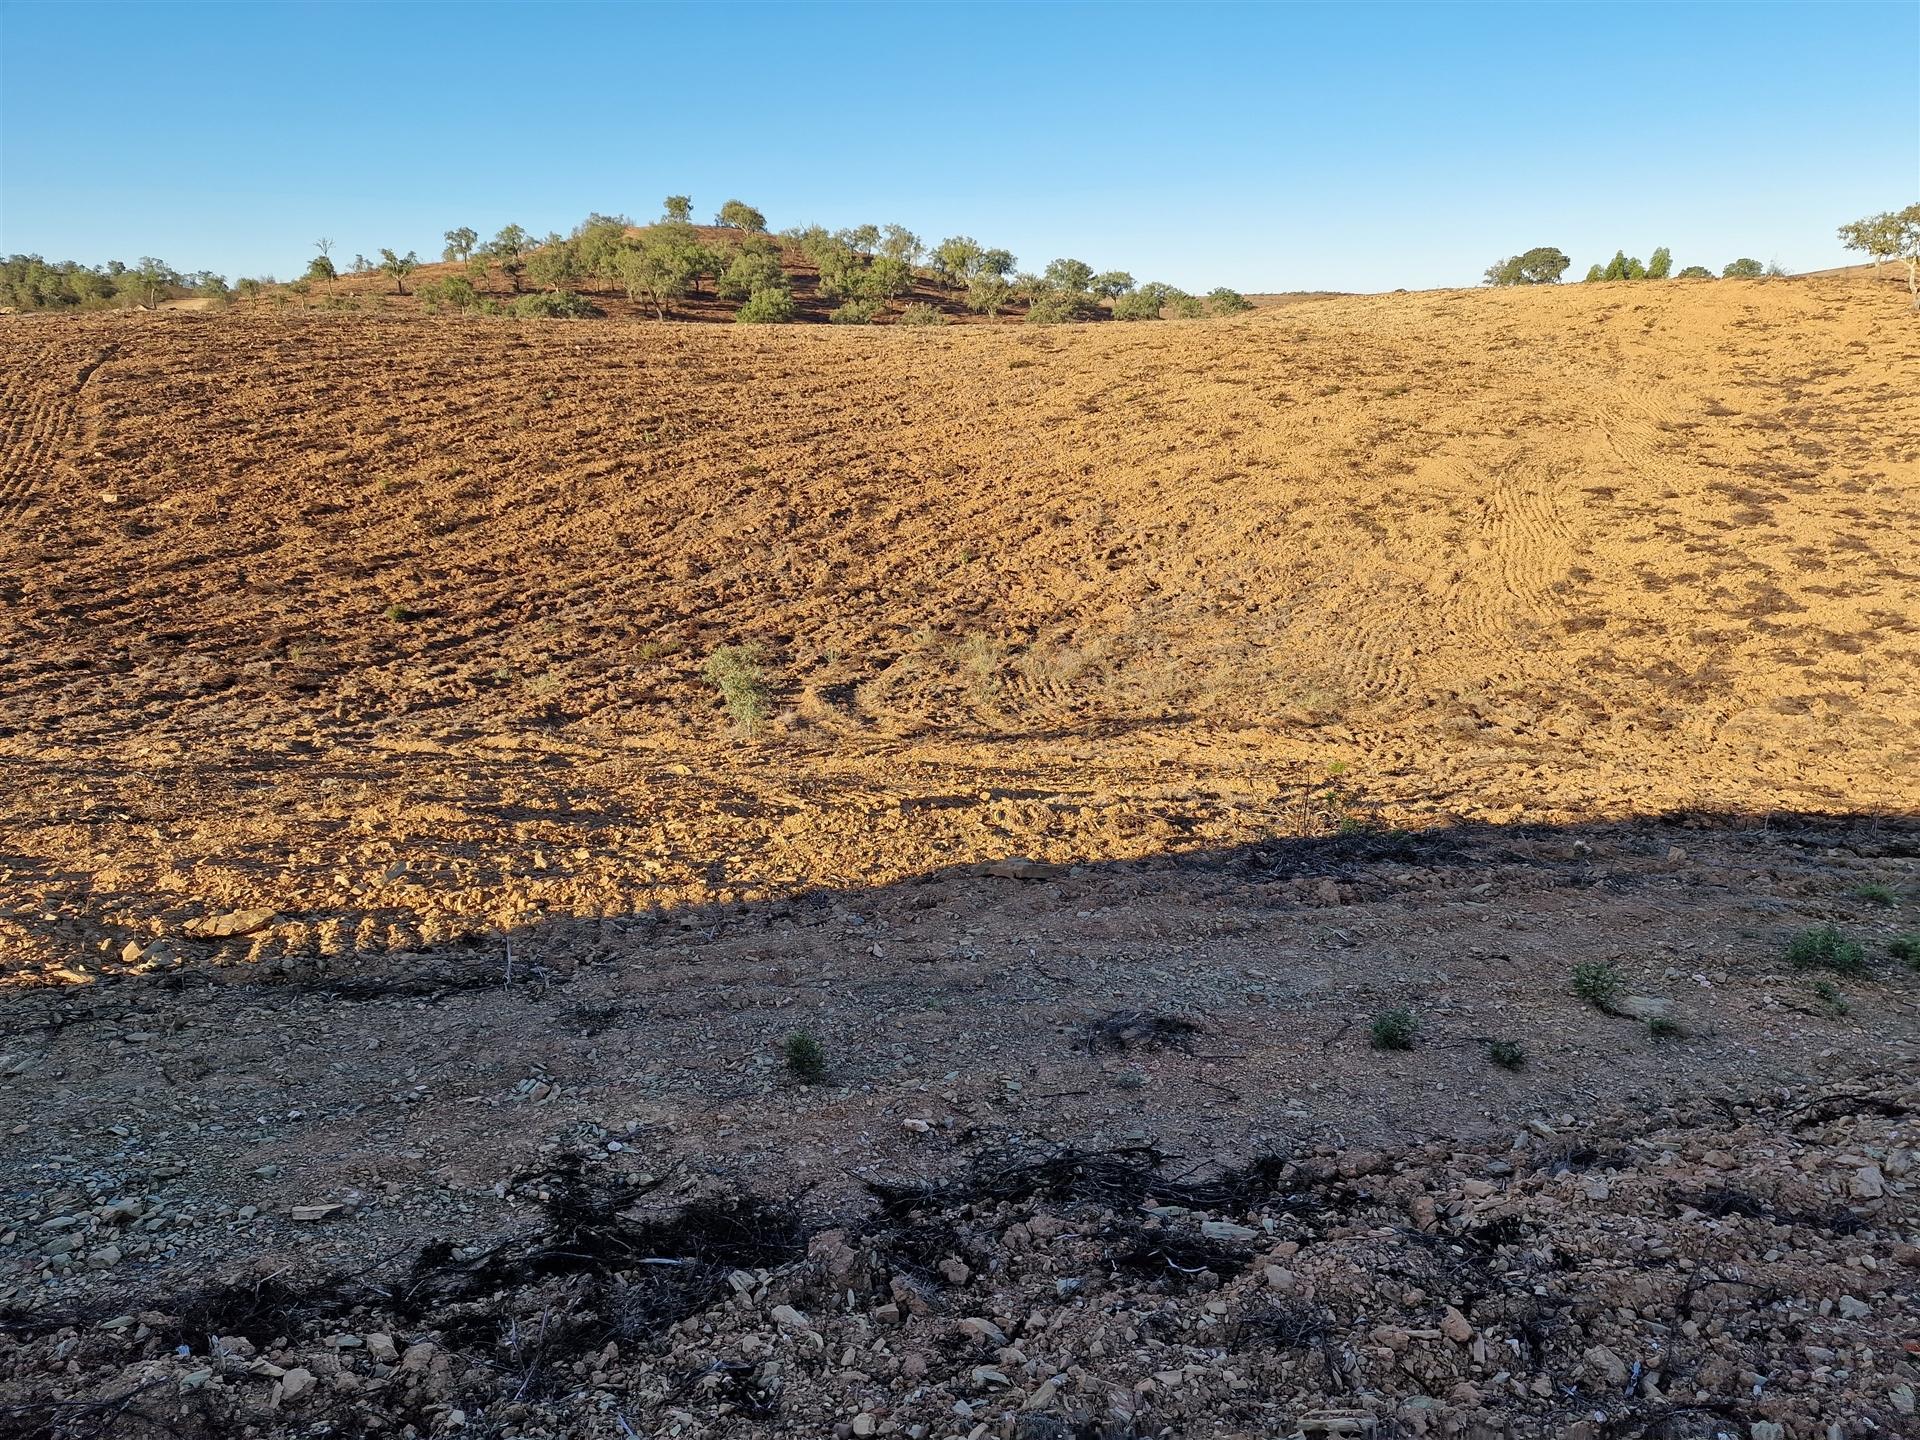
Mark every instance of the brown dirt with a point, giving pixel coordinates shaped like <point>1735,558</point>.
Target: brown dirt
<point>374,824</point>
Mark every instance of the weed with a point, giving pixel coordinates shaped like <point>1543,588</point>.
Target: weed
<point>1905,949</point>
<point>1598,983</point>
<point>1130,1080</point>
<point>1507,1054</point>
<point>981,656</point>
<point>1393,1029</point>
<point>1876,894</point>
<point>1664,1027</point>
<point>401,614</point>
<point>1826,948</point>
<point>654,649</point>
<point>806,1057</point>
<point>1829,996</point>
<point>735,671</point>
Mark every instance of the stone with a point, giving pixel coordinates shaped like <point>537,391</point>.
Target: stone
<point>1456,1327</point>
<point>1282,1279</point>
<point>1868,1183</point>
<point>1608,1365</point>
<point>788,1318</point>
<point>1854,1308</point>
<point>295,1383</point>
<point>864,1423</point>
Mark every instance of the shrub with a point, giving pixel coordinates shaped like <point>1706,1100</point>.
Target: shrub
<point>453,292</point>
<point>557,305</point>
<point>1189,307</point>
<point>1825,948</point>
<point>1227,302</point>
<point>1905,949</point>
<point>1393,1030</point>
<point>1507,1054</point>
<point>766,306</point>
<point>1060,307</point>
<point>854,312</point>
<point>1664,1027</point>
<point>1745,268</point>
<point>806,1057</point>
<point>749,271</point>
<point>1598,983</point>
<point>1137,306</point>
<point>1876,894</point>
<point>1830,998</point>
<point>401,614</point>
<point>921,314</point>
<point>734,670</point>
<point>1695,272</point>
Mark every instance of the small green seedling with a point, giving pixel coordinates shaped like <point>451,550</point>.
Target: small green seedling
<point>1394,1029</point>
<point>1825,948</point>
<point>806,1058</point>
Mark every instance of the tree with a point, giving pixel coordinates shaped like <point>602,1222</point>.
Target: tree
<point>460,244</point>
<point>956,258</point>
<point>738,215</point>
<point>749,271</point>
<point>1227,302</point>
<point>899,243</point>
<point>1745,268</point>
<point>321,268</point>
<point>149,281</point>
<point>1695,272</point>
<point>996,262</point>
<point>1542,265</point>
<point>1891,235</point>
<point>766,307</point>
<point>556,266</point>
<point>887,278</point>
<point>661,264</point>
<point>865,239</point>
<point>399,267</point>
<point>1661,265</point>
<point>1073,276</point>
<point>250,288</point>
<point>1594,272</point>
<point>508,250</point>
<point>1112,284</point>
<point>988,294</point>
<point>1137,305</point>
<point>678,207</point>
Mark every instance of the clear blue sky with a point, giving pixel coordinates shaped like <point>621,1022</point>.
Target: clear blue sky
<point>1266,147</point>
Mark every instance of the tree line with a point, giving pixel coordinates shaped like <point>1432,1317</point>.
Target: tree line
<point>28,282</point>
<point>1544,265</point>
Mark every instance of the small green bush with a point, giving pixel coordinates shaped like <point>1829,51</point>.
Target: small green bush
<point>401,614</point>
<point>1138,305</point>
<point>854,312</point>
<point>1394,1029</point>
<point>1507,1054</point>
<point>766,307</point>
<point>1830,998</point>
<point>922,314</point>
<point>734,670</point>
<point>1229,302</point>
<point>1825,948</point>
<point>556,305</point>
<point>1664,1027</point>
<point>1905,949</point>
<point>806,1057</point>
<point>1062,307</point>
<point>1188,307</point>
<point>1876,894</point>
<point>1598,983</point>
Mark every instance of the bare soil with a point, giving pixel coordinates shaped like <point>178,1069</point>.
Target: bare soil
<point>1153,708</point>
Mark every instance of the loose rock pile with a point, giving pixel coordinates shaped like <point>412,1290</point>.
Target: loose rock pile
<point>1746,1271</point>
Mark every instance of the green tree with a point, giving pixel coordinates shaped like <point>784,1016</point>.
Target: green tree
<point>149,282</point>
<point>399,267</point>
<point>747,272</point>
<point>661,264</point>
<point>956,258</point>
<point>1891,235</point>
<point>556,266</point>
<point>1695,272</point>
<point>321,268</point>
<point>1112,284</point>
<point>1227,302</point>
<point>1542,265</point>
<point>865,239</point>
<point>508,250</point>
<point>1594,272</point>
<point>1137,305</point>
<point>250,289</point>
<point>996,262</point>
<point>1661,265</point>
<point>1745,268</point>
<point>738,215</point>
<point>988,294</point>
<point>678,207</point>
<point>1070,275</point>
<point>887,278</point>
<point>460,244</point>
<point>899,243</point>
<point>771,306</point>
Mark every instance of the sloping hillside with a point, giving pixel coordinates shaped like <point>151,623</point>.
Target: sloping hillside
<point>440,585</point>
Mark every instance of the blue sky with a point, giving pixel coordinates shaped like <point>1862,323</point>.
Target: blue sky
<point>1262,146</point>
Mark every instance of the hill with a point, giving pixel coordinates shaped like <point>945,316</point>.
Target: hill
<point>1144,717</point>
